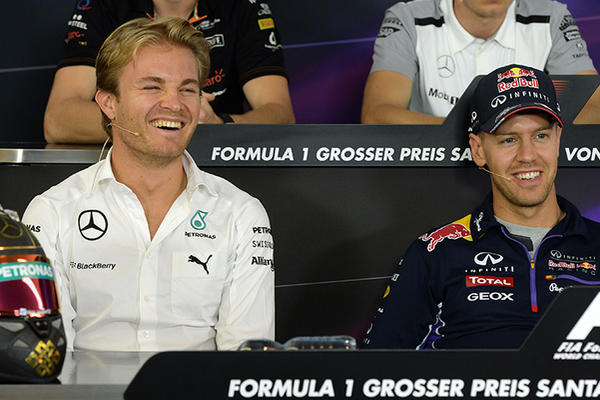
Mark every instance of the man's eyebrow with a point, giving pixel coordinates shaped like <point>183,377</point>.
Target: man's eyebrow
<point>151,79</point>
<point>190,81</point>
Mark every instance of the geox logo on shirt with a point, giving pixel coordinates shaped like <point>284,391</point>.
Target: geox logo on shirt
<point>577,346</point>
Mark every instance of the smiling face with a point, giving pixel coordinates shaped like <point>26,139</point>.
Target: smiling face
<point>156,112</point>
<point>525,149</point>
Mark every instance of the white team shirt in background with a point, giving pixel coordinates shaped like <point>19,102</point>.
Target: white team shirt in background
<point>423,40</point>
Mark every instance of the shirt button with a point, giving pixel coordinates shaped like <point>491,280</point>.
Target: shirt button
<point>146,298</point>
<point>146,334</point>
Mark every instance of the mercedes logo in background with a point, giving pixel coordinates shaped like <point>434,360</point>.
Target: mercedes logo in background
<point>92,224</point>
<point>445,66</point>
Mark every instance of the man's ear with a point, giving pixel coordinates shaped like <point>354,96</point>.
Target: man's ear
<point>107,102</point>
<point>477,150</point>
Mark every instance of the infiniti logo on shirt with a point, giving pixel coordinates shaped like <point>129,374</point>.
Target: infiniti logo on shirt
<point>92,224</point>
<point>484,258</point>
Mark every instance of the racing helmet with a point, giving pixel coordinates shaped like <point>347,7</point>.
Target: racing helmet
<point>32,336</point>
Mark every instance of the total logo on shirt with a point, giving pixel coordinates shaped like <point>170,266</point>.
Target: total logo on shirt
<point>482,280</point>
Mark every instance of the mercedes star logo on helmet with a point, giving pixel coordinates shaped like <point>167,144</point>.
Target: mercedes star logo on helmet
<point>496,101</point>
<point>484,258</point>
<point>445,66</point>
<point>92,224</point>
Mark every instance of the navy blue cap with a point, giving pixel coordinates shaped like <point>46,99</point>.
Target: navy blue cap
<point>508,90</point>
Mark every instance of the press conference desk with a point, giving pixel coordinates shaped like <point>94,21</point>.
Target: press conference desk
<point>85,375</point>
<point>561,358</point>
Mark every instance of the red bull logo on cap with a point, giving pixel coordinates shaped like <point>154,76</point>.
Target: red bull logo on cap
<point>517,83</point>
<point>456,230</point>
<point>515,73</point>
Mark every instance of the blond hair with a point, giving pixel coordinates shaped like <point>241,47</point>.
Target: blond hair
<point>121,47</point>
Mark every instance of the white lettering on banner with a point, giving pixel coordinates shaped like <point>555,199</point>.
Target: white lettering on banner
<point>461,154</point>
<point>279,388</point>
<point>500,388</point>
<point>252,154</point>
<point>582,388</point>
<point>582,153</point>
<point>379,388</point>
<point>422,153</point>
<point>340,154</point>
<point>358,154</point>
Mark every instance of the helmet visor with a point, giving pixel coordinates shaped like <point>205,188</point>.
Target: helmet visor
<point>27,286</point>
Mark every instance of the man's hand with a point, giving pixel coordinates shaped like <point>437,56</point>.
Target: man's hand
<point>207,115</point>
<point>386,98</point>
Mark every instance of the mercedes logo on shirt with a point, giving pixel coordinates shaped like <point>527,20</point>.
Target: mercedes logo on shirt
<point>446,66</point>
<point>92,224</point>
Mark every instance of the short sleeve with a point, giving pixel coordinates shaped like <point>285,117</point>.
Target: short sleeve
<point>569,54</point>
<point>258,49</point>
<point>90,24</point>
<point>395,46</point>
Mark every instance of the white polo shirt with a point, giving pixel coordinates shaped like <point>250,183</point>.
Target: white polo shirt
<point>424,41</point>
<point>205,281</point>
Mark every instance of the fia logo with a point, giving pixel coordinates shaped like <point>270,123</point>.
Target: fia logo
<point>198,221</point>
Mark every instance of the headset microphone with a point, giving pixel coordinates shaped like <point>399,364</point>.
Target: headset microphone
<point>493,173</point>
<point>112,123</point>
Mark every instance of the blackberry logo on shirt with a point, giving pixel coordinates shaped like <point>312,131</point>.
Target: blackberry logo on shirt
<point>198,221</point>
<point>92,224</point>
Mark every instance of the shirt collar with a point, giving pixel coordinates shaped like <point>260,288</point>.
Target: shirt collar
<point>460,38</point>
<point>195,176</point>
<point>482,219</point>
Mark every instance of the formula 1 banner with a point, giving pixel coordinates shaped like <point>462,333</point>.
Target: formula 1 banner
<point>385,145</point>
<point>560,359</point>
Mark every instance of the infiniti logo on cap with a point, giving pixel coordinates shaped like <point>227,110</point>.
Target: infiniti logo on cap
<point>496,101</point>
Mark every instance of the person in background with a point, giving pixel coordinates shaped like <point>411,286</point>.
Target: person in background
<point>428,52</point>
<point>150,252</point>
<point>484,280</point>
<point>246,63</point>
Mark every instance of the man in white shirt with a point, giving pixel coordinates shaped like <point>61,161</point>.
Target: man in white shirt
<point>428,52</point>
<point>152,253</point>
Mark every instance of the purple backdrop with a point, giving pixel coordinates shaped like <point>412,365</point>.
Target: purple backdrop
<point>328,54</point>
